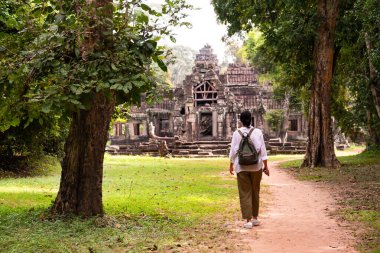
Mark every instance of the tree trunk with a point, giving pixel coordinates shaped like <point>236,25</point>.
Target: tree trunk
<point>373,132</point>
<point>373,77</point>
<point>283,133</point>
<point>80,189</point>
<point>320,147</point>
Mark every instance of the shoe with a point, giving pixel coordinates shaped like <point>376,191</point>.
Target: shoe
<point>255,222</point>
<point>248,225</point>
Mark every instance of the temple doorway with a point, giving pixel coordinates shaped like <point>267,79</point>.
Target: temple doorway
<point>205,124</point>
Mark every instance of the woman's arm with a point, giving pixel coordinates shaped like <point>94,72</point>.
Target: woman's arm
<point>233,151</point>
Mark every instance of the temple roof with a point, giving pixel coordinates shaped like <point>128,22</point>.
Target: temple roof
<point>241,74</point>
<point>206,54</point>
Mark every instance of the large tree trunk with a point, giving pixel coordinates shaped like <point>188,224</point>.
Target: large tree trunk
<point>80,190</point>
<point>373,76</point>
<point>320,147</point>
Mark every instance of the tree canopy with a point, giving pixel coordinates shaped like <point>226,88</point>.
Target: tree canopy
<point>76,60</point>
<point>290,30</point>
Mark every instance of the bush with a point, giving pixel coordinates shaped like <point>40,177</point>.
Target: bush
<point>274,119</point>
<point>20,145</point>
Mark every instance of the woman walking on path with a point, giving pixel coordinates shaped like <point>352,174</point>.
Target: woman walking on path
<point>249,176</point>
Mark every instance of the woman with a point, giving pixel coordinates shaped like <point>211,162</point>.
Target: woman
<point>249,176</point>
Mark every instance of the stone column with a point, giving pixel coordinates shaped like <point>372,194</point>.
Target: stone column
<point>215,124</point>
<point>189,130</point>
<point>228,125</point>
<point>127,131</point>
<point>220,131</point>
<point>131,130</point>
<point>145,132</point>
<point>115,129</point>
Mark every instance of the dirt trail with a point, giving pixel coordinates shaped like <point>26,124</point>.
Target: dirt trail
<point>296,219</point>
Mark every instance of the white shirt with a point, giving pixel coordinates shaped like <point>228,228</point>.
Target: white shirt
<point>257,139</point>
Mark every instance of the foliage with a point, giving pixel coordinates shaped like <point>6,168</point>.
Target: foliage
<point>288,30</point>
<point>233,51</point>
<point>274,119</point>
<point>353,104</point>
<point>19,146</point>
<point>277,73</point>
<point>62,75</point>
<point>20,140</point>
<point>284,49</point>
<point>149,201</point>
<point>182,63</point>
<point>47,71</point>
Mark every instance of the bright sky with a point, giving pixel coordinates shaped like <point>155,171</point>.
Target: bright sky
<point>205,29</point>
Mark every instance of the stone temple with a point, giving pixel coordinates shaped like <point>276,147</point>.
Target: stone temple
<point>199,116</point>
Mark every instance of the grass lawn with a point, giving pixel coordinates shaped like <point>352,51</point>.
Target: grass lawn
<point>167,205</point>
<point>151,204</point>
<point>357,186</point>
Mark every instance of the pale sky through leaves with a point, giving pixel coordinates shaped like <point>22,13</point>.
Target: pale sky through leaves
<point>205,28</point>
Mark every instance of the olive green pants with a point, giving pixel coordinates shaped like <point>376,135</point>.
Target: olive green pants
<point>249,191</point>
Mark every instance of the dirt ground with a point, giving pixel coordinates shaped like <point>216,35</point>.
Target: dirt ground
<point>295,218</point>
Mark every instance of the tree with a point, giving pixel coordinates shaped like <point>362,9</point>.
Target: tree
<point>299,35</point>
<point>320,148</point>
<point>22,141</point>
<point>285,87</point>
<point>368,13</point>
<point>81,58</point>
<point>354,77</point>
<point>182,63</point>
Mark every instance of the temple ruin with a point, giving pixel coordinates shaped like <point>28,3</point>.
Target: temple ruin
<point>199,116</point>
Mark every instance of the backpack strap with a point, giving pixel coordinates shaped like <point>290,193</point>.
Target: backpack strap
<point>250,131</point>
<point>241,133</point>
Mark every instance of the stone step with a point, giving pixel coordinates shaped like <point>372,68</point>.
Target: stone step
<point>284,148</point>
<point>187,147</point>
<point>199,156</point>
<point>205,153</point>
<point>288,152</point>
<point>185,151</point>
<point>278,144</point>
<point>199,148</point>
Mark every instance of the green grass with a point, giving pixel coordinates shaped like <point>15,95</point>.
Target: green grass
<point>151,203</point>
<point>357,185</point>
<point>168,205</point>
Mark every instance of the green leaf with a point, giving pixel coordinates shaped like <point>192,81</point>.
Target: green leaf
<point>46,108</point>
<point>114,67</point>
<point>146,7</point>
<point>142,18</point>
<point>116,86</point>
<point>74,101</point>
<point>160,63</point>
<point>173,39</point>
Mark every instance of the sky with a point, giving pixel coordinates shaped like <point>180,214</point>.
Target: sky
<point>205,30</point>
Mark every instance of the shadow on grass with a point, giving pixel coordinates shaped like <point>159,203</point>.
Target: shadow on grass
<point>24,230</point>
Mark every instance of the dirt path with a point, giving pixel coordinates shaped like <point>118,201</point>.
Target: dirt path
<point>296,219</point>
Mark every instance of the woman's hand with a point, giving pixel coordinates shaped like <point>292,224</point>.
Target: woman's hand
<point>231,168</point>
<point>266,170</point>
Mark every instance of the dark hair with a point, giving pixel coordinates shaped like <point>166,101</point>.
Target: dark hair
<point>246,118</point>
